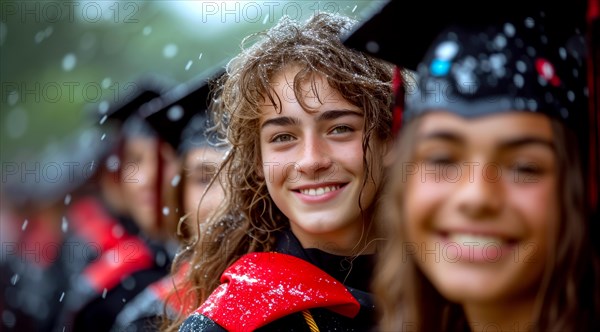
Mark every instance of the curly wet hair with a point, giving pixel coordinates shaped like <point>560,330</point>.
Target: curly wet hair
<point>248,219</point>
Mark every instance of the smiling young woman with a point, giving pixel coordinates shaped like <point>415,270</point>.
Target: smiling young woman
<point>308,121</point>
<point>486,217</point>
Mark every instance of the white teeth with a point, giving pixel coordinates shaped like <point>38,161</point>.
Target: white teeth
<point>463,238</point>
<point>319,191</point>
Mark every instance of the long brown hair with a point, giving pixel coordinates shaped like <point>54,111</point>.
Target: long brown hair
<point>248,219</point>
<point>568,297</point>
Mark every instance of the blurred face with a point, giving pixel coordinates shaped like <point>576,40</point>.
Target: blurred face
<point>481,204</point>
<point>313,164</point>
<point>138,180</point>
<point>200,166</point>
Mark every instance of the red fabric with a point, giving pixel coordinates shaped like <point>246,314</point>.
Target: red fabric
<point>130,255</point>
<point>262,287</point>
<point>398,106</point>
<point>41,241</point>
<point>93,223</point>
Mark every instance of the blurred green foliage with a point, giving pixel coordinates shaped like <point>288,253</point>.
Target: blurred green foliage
<point>61,59</point>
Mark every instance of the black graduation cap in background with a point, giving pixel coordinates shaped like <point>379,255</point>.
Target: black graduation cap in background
<point>170,117</point>
<point>401,31</point>
<point>146,89</point>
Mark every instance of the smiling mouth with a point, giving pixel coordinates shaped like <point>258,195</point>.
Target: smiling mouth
<point>319,191</point>
<point>480,239</point>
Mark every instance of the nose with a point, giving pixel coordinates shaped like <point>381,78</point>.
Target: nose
<point>315,155</point>
<point>480,194</point>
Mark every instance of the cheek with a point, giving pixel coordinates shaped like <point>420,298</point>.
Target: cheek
<point>537,203</point>
<point>424,198</point>
<point>191,197</point>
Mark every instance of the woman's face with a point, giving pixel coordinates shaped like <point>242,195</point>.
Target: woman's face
<point>313,163</point>
<point>200,165</point>
<point>481,204</point>
<point>138,182</point>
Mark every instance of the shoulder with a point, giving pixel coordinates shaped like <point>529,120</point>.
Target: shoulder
<point>263,287</point>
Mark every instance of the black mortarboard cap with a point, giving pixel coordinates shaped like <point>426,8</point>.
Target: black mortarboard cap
<point>402,31</point>
<point>172,117</point>
<point>146,89</point>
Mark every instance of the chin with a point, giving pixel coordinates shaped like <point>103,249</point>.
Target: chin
<point>465,291</point>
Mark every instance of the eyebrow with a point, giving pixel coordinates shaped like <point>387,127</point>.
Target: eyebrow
<point>335,114</point>
<point>527,140</point>
<point>503,145</point>
<point>443,135</point>
<point>280,121</point>
<point>325,116</point>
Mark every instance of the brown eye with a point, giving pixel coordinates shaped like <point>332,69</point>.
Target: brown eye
<point>526,168</point>
<point>282,138</point>
<point>341,129</point>
<point>440,159</point>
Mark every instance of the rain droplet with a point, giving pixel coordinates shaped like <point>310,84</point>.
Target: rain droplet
<point>372,46</point>
<point>123,299</point>
<point>188,65</point>
<point>170,51</point>
<point>128,283</point>
<point>13,98</point>
<point>14,279</point>
<point>518,80</point>
<point>104,293</point>
<point>175,180</point>
<point>103,119</point>
<point>175,113</point>
<point>521,66</point>
<point>68,199</point>
<point>69,62</point>
<point>62,296</point>
<point>354,9</point>
<point>103,107</point>
<point>39,37</point>
<point>106,83</point>
<point>103,137</point>
<point>509,29</point>
<point>112,163</point>
<point>147,30</point>
<point>17,121</point>
<point>265,19</point>
<point>200,56</point>
<point>529,22</point>
<point>571,96</point>
<point>65,225</point>
<point>165,210</point>
<point>24,226</point>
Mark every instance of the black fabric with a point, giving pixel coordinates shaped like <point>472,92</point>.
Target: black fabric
<point>100,314</point>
